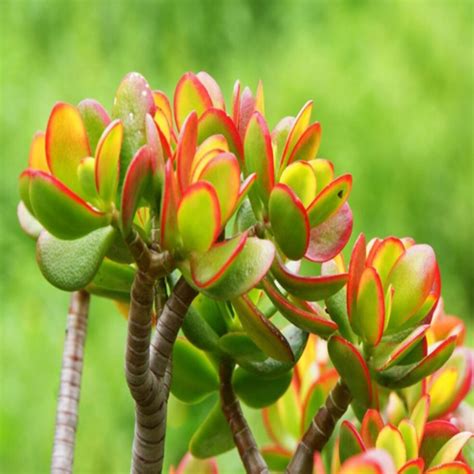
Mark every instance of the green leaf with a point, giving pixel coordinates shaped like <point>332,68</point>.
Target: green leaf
<point>356,268</point>
<point>71,264</point>
<point>258,392</point>
<point>212,312</point>
<point>62,212</point>
<point>186,149</point>
<point>194,377</point>
<point>289,221</point>
<point>308,288</point>
<point>213,437</point>
<point>408,431</point>
<point>390,439</point>
<point>232,268</point>
<point>265,335</point>
<point>199,332</point>
<point>133,101</point>
<point>95,119</point>
<point>66,144</point>
<point>352,368</point>
<point>350,442</point>
<point>383,256</point>
<point>308,144</point>
<point>199,217</point>
<point>372,424</point>
<point>259,155</point>
<point>239,346</point>
<point>300,178</point>
<point>436,434</point>
<point>450,451</point>
<point>277,458</point>
<point>113,277</point>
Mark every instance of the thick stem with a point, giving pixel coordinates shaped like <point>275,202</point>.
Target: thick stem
<point>320,429</point>
<point>243,438</point>
<point>167,328</point>
<point>70,385</point>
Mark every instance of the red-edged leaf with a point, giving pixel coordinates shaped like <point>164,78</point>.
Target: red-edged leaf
<point>384,255</point>
<point>232,268</point>
<point>369,316</point>
<point>330,200</point>
<point>412,278</point>
<point>162,102</point>
<point>308,145</point>
<point>301,179</point>
<point>437,433</point>
<point>246,109</point>
<point>308,288</point>
<point>191,465</point>
<point>95,119</point>
<point>308,320</point>
<point>419,415</point>
<point>107,161</point>
<point>410,438</point>
<point>356,267</point>
<point>263,333</point>
<point>37,157</point>
<point>391,440</point>
<point>279,135</point>
<point>455,467</point>
<point>24,182</point>
<point>415,466</point>
<point>217,143</point>
<point>199,217</point>
<point>372,424</point>
<point>259,155</point>
<point>289,221</point>
<point>62,212</point>
<point>216,121</point>
<point>329,238</point>
<point>373,461</point>
<point>169,235</point>
<point>133,101</point>
<point>451,449</point>
<point>137,179</point>
<point>223,173</point>
<point>154,141</point>
<point>213,89</point>
<point>186,149</point>
<point>352,368</point>
<point>350,442</point>
<point>190,95</point>
<point>299,126</point>
<point>324,171</point>
<point>66,143</point>
<point>245,188</point>
<point>236,103</point>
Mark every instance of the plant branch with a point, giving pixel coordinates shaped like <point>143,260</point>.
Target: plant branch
<point>320,429</point>
<point>243,438</point>
<point>70,385</point>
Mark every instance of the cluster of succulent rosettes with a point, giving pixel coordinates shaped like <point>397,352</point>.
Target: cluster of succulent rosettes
<point>414,444</point>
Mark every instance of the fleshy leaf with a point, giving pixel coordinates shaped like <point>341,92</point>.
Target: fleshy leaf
<point>369,316</point>
<point>194,377</point>
<point>384,256</point>
<point>265,335</point>
<point>186,149</point>
<point>324,171</point>
<point>239,346</point>
<point>213,437</point>
<point>450,451</point>
<point>309,321</point>
<point>257,391</point>
<point>108,161</point>
<point>373,461</point>
<point>212,88</point>
<point>190,95</point>
<point>419,415</point>
<point>391,440</point>
<point>372,424</point>
<point>308,145</point>
<point>259,155</point>
<point>412,279</point>
<point>217,122</point>
<point>62,212</point>
<point>137,180</point>
<point>410,438</point>
<point>66,143</point>
<point>86,176</point>
<point>276,457</point>
<point>350,442</point>
<point>330,200</point>
<point>308,288</point>
<point>95,119</point>
<point>133,101</point>
<point>352,369</point>
<point>455,467</point>
<point>71,264</point>
<point>415,466</point>
<point>199,332</point>
<point>300,178</point>
<point>356,268</point>
<point>233,267</point>
<point>329,238</point>
<point>191,465</point>
<point>199,217</point>
<point>37,157</point>
<point>28,222</point>
<point>169,235</point>
<point>437,433</point>
<point>289,221</point>
<point>223,173</point>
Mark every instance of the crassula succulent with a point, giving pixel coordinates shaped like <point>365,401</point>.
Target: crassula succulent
<point>227,235</point>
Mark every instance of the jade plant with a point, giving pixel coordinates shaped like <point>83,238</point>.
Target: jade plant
<point>221,239</point>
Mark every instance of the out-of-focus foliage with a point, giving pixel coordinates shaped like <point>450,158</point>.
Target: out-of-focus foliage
<point>392,84</point>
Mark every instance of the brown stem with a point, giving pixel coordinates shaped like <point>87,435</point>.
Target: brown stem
<point>320,429</point>
<point>243,438</point>
<point>167,328</point>
<point>70,385</point>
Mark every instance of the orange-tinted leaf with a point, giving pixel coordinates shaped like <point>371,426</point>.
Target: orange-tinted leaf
<point>391,440</point>
<point>308,145</point>
<point>300,178</point>
<point>384,256</point>
<point>186,149</point>
<point>415,466</point>
<point>169,235</point>
<point>37,158</point>
<point>372,424</point>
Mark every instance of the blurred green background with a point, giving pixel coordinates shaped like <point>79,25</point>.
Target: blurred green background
<point>393,89</point>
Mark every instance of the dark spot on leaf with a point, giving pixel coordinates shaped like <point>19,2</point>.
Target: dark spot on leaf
<point>339,194</point>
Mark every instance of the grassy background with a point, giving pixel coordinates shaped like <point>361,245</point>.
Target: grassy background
<point>392,84</point>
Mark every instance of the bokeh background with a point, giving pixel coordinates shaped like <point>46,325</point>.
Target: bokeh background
<point>393,88</point>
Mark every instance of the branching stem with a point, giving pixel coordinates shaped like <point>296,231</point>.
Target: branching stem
<point>70,385</point>
<point>320,429</point>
